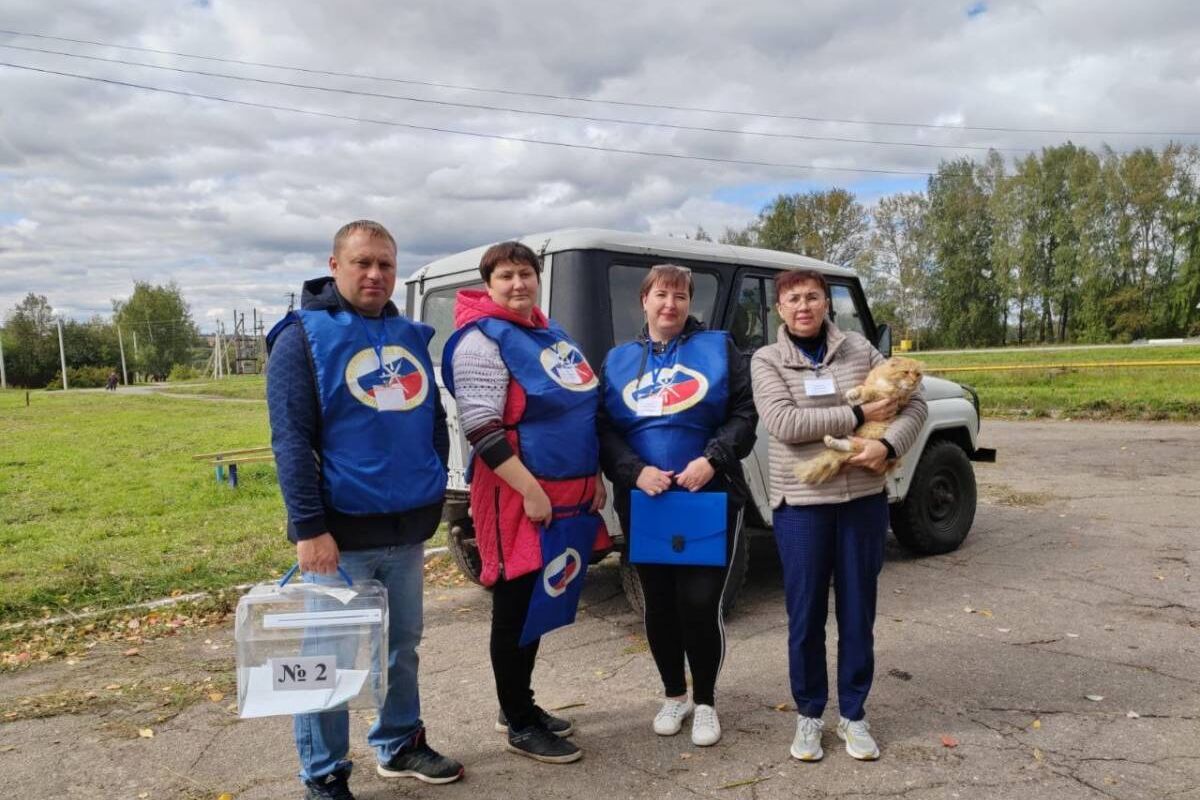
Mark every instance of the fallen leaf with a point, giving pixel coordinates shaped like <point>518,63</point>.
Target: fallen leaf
<point>1133,715</point>
<point>781,707</point>
<point>1036,725</point>
<point>143,795</point>
<point>216,697</point>
<point>1037,754</point>
<point>949,741</point>
<point>983,612</point>
<point>1095,698</point>
<point>747,782</point>
<point>8,748</point>
<point>133,651</point>
<point>685,755</point>
<point>224,796</point>
<point>113,686</point>
<point>145,733</point>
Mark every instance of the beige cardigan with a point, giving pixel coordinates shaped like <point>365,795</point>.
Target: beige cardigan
<point>797,423</point>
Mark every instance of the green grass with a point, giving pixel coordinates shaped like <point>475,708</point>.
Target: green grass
<point>101,504</point>
<point>1131,393</point>
<point>244,387</point>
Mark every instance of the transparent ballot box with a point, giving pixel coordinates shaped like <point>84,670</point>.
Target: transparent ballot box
<point>303,647</point>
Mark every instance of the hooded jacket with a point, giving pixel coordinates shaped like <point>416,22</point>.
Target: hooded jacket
<point>508,541</point>
<point>295,407</point>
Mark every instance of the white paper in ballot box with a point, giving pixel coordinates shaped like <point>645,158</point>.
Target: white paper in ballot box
<point>266,698</point>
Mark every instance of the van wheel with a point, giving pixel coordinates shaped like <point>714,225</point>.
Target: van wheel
<point>632,585</point>
<point>937,514</point>
<point>461,544</point>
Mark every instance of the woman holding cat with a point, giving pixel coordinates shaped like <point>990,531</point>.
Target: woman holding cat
<point>835,529</point>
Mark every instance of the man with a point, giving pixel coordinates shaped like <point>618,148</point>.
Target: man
<point>360,442</point>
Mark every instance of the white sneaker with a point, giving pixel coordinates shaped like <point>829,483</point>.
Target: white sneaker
<point>670,717</point>
<point>706,729</point>
<point>857,736</point>
<point>807,744</point>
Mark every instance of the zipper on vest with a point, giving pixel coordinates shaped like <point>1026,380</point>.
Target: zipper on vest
<point>499,541</point>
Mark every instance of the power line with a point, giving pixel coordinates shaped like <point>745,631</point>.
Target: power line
<point>475,134</point>
<point>627,103</point>
<point>509,110</point>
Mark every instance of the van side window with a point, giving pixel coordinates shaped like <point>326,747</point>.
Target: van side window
<point>755,320</point>
<point>624,291</point>
<point>845,312</point>
<point>438,311</point>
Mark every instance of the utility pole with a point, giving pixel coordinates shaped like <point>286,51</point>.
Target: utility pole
<point>121,344</point>
<point>62,354</point>
<point>3,376</point>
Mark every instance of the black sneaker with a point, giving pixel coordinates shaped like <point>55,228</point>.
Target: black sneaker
<point>556,725</point>
<point>422,762</point>
<point>334,786</point>
<point>538,743</point>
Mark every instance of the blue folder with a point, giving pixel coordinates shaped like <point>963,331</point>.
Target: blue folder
<point>677,528</point>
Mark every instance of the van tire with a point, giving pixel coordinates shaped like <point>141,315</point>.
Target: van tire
<point>460,541</point>
<point>631,584</point>
<point>938,511</point>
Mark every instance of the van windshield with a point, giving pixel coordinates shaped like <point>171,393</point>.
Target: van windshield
<point>624,291</point>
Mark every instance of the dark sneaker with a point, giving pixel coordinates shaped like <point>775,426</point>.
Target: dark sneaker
<point>540,744</point>
<point>556,725</point>
<point>422,762</point>
<point>334,786</point>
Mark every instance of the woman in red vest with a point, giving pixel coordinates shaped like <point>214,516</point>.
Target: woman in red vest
<point>527,402</point>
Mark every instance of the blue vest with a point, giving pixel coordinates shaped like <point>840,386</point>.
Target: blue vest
<point>556,436</point>
<point>373,461</point>
<point>692,377</point>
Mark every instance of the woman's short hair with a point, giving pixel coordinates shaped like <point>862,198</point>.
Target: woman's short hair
<point>671,276</point>
<point>784,281</point>
<point>513,252</point>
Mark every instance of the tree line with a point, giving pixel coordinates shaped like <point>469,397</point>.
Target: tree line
<point>1065,245</point>
<point>154,325</point>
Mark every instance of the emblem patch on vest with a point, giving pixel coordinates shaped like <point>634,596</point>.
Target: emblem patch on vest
<point>400,370</point>
<point>568,368</point>
<point>558,574</point>
<point>681,388</point>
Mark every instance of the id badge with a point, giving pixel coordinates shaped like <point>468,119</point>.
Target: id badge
<point>819,387</point>
<point>390,398</point>
<point>650,405</point>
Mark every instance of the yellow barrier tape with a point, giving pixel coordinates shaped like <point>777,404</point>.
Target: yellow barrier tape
<point>1079,365</point>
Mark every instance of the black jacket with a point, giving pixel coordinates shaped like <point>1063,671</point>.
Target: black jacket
<point>732,441</point>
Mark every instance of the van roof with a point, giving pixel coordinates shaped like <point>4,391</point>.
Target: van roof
<point>639,243</point>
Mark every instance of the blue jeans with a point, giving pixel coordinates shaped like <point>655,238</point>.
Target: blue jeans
<point>843,541</point>
<point>323,740</point>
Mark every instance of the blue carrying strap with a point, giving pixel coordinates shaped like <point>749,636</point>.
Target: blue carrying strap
<point>345,575</point>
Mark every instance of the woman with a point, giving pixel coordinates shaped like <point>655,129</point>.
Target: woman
<point>678,415</point>
<point>835,529</point>
<point>527,403</point>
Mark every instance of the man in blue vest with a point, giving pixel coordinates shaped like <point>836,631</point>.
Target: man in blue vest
<point>360,442</point>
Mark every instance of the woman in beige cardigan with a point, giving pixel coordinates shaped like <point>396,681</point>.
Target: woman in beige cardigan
<point>836,529</point>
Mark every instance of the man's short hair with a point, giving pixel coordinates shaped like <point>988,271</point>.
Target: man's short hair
<point>786,280</point>
<point>370,227</point>
<point>513,252</point>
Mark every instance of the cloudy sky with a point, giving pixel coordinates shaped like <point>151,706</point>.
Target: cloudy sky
<point>102,184</point>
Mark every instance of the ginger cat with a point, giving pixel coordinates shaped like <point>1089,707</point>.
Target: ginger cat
<point>897,377</point>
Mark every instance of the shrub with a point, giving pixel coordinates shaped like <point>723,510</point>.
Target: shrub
<point>81,378</point>
<point>184,372</point>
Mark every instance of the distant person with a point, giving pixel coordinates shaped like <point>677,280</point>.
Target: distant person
<point>831,530</point>
<point>527,401</point>
<point>111,383</point>
<point>678,416</point>
<point>361,444</point>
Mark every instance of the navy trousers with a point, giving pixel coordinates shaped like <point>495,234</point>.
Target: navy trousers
<point>843,541</point>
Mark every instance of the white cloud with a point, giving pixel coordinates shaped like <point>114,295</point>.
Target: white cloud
<point>102,185</point>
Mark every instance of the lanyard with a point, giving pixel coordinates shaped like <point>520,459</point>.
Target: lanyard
<point>670,358</point>
<point>376,346</point>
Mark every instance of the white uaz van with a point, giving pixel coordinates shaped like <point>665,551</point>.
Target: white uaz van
<point>590,285</point>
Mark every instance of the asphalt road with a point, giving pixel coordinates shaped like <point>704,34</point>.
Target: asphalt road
<point>1056,654</point>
